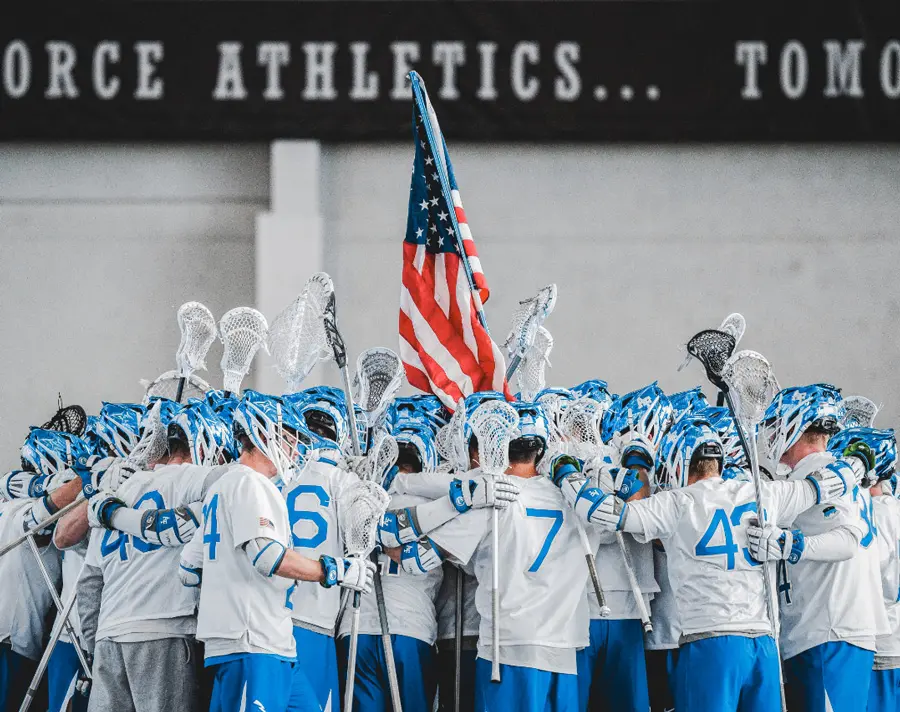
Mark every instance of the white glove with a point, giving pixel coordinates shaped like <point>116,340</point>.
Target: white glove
<point>632,443</point>
<point>101,508</point>
<point>483,491</point>
<point>113,474</point>
<point>769,543</point>
<point>608,512</point>
<point>21,484</point>
<point>354,572</point>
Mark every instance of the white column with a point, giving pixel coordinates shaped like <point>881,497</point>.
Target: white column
<point>289,241</point>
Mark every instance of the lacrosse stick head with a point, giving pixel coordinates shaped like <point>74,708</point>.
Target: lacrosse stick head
<point>47,452</point>
<point>243,332</point>
<point>527,319</point>
<point>734,324</point>
<point>381,458</point>
<point>494,425</point>
<point>689,437</point>
<point>581,426</point>
<point>333,334</point>
<point>275,427</point>
<point>859,412</point>
<point>751,382</point>
<point>209,438</point>
<point>532,373</point>
<point>70,419</point>
<point>152,446</point>
<point>119,427</point>
<point>451,439</point>
<point>166,386</point>
<point>198,331</point>
<point>646,411</point>
<point>687,402</point>
<point>360,509</point>
<point>554,402</point>
<point>882,442</point>
<point>297,335</point>
<point>379,375</point>
<point>712,348</point>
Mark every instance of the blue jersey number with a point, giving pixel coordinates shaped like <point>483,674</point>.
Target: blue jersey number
<point>867,512</point>
<point>556,516</point>
<point>211,536</point>
<point>115,541</point>
<point>725,523</point>
<point>299,514</point>
<point>156,502</point>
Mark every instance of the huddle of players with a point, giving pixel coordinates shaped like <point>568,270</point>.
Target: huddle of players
<point>242,508</point>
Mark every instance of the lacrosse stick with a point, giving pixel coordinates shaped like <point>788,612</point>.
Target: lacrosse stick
<point>198,331</point>
<point>166,385</point>
<point>458,635</point>
<point>243,332</point>
<point>339,354</point>
<point>297,337</point>
<point>554,405</point>
<point>749,387</point>
<point>379,375</point>
<point>153,443</point>
<point>734,324</point>
<point>527,319</point>
<point>68,419</point>
<point>535,361</point>
<point>860,412</point>
<point>493,423</point>
<point>360,510</point>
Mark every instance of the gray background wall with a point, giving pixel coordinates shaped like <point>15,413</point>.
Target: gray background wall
<point>648,244</point>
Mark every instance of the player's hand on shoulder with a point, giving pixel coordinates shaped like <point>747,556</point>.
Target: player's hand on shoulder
<point>769,543</point>
<point>101,506</point>
<point>354,572</point>
<point>483,491</point>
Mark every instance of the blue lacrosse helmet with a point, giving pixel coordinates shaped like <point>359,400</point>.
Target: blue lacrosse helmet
<point>891,486</point>
<point>686,402</point>
<point>596,389</point>
<point>91,435</point>
<point>533,430</point>
<point>209,437</point>
<point>882,441</point>
<point>417,408</point>
<point>168,409</point>
<point>689,437</point>
<point>120,427</point>
<point>646,411</point>
<point>724,424</point>
<point>473,401</point>
<point>222,403</point>
<point>258,414</point>
<point>793,411</point>
<point>416,442</point>
<point>47,452</point>
<point>324,411</point>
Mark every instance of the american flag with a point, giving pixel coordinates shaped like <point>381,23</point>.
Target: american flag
<point>444,347</point>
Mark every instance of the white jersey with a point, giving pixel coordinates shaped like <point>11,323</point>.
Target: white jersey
<point>242,611</point>
<point>663,609</point>
<point>718,586</point>
<point>26,599</point>
<point>72,562</point>
<point>887,520</point>
<point>543,609</point>
<point>614,578</point>
<point>445,604</point>
<point>408,598</point>
<point>312,508</point>
<point>142,597</point>
<point>838,600</point>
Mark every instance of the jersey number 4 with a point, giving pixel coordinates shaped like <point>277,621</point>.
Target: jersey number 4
<point>211,536</point>
<point>721,521</point>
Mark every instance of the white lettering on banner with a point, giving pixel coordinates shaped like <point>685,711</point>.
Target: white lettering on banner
<point>149,86</point>
<point>568,86</point>
<point>750,55</point>
<point>230,77</point>
<point>273,56</point>
<point>843,66</point>
<point>487,91</point>
<point>16,69</point>
<point>365,84</point>
<point>448,56</point>
<point>794,70</point>
<point>890,69</point>
<point>107,52</point>
<point>525,88</point>
<point>61,56</point>
<point>319,71</point>
<point>404,54</point>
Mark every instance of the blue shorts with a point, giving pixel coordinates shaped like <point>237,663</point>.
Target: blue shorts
<point>884,691</point>
<point>729,673</point>
<point>317,661</point>
<point>415,673</point>
<point>446,670</point>
<point>251,682</point>
<point>524,690</point>
<point>16,672</point>
<point>63,669</point>
<point>612,671</point>
<point>837,673</point>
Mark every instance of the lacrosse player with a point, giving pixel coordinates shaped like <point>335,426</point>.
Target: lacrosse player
<point>248,570</point>
<point>831,610</point>
<point>145,656</point>
<point>31,496</point>
<point>719,590</point>
<point>884,690</point>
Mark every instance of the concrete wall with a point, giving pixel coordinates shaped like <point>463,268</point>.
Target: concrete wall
<point>100,245</point>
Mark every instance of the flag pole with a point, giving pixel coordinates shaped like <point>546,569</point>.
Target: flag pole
<point>420,96</point>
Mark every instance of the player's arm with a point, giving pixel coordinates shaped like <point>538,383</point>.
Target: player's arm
<point>72,528</point>
<point>44,507</point>
<point>170,527</point>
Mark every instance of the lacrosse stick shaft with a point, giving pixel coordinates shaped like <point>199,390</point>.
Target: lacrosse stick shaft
<point>513,366</point>
<point>495,597</point>
<point>43,525</point>
<point>82,658</point>
<point>351,411</point>
<point>635,588</point>
<point>393,682</point>
<point>592,570</point>
<point>458,632</point>
<point>351,658</point>
<point>180,392</point>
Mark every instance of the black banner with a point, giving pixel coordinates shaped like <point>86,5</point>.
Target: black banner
<point>495,70</point>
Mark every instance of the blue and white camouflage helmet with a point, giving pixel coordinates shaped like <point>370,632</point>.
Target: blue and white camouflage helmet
<point>596,389</point>
<point>691,437</point>
<point>324,411</point>
<point>119,427</point>
<point>274,427</point>
<point>685,402</point>
<point>533,431</point>
<point>883,443</point>
<point>47,452</point>
<point>724,424</point>
<point>646,411</point>
<point>209,438</point>
<point>792,412</point>
<point>417,448</point>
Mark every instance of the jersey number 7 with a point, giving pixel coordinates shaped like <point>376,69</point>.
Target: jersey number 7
<point>556,516</point>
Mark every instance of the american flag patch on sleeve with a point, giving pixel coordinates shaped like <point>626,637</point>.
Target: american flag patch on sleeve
<point>263,522</point>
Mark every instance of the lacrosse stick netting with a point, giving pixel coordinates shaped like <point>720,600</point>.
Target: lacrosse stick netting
<point>243,332</point>
<point>68,419</point>
<point>166,385</point>
<point>381,457</point>
<point>198,331</point>
<point>712,348</point>
<point>859,412</point>
<point>451,440</point>
<point>734,324</point>
<point>532,373</point>
<point>153,443</point>
<point>527,319</point>
<point>379,375</point>
<point>581,427</point>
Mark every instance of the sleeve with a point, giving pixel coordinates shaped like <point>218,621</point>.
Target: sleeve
<point>258,510</point>
<point>430,485</point>
<point>194,483</point>
<point>838,544</point>
<point>786,500</point>
<point>655,517</point>
<point>90,592</point>
<point>460,537</point>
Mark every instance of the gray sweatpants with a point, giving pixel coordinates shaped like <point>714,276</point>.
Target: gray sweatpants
<point>153,676</point>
